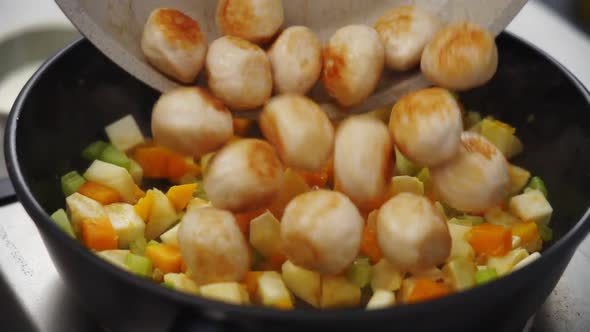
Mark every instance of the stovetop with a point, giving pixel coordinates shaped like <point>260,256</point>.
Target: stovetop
<point>34,297</point>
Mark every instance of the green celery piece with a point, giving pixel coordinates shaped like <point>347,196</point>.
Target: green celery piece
<point>138,246</point>
<point>424,177</point>
<point>486,275</point>
<point>359,272</point>
<point>545,232</point>
<point>71,182</point>
<point>403,165</point>
<point>112,155</point>
<point>537,183</point>
<point>153,243</point>
<point>200,191</point>
<point>168,284</point>
<point>61,219</point>
<point>93,151</point>
<point>139,265</point>
<point>471,118</point>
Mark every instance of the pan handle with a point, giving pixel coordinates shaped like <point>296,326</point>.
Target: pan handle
<point>7,194</point>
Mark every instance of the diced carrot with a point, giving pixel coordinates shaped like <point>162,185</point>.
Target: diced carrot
<point>180,195</point>
<point>144,206</point>
<point>490,240</point>
<point>251,282</point>
<point>243,220</point>
<point>369,245</point>
<point>241,126</point>
<point>527,231</point>
<point>165,257</point>
<point>160,163</point>
<point>100,193</point>
<point>98,234</point>
<point>427,289</point>
<point>139,193</point>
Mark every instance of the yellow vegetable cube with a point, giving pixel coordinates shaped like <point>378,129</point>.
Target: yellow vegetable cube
<point>126,222</point>
<point>116,257</point>
<point>385,276</point>
<point>519,177</point>
<point>124,133</point>
<point>406,184</point>
<point>272,291</point>
<point>305,284</point>
<point>265,234</point>
<point>461,273</point>
<point>531,206</point>
<point>500,217</point>
<point>498,133</point>
<point>338,292</point>
<point>229,292</point>
<point>460,248</point>
<point>181,282</point>
<point>81,207</point>
<point>381,299</point>
<point>504,264</point>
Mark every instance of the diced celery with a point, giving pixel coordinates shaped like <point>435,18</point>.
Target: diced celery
<point>536,183</point>
<point>168,284</point>
<point>359,272</point>
<point>153,243</point>
<point>467,220</point>
<point>136,171</point>
<point>403,165</point>
<point>138,246</point>
<point>470,119</point>
<point>485,275</point>
<point>112,155</point>
<point>139,265</point>
<point>545,232</point>
<point>71,182</point>
<point>61,219</point>
<point>424,177</point>
<point>93,151</point>
<point>200,191</point>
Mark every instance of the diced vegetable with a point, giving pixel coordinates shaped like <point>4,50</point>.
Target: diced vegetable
<point>139,265</point>
<point>416,290</point>
<point>403,166</point>
<point>272,291</point>
<point>406,184</point>
<point>197,202</point>
<point>528,232</point>
<point>470,119</point>
<point>165,257</point>
<point>359,273</point>
<point>265,234</point>
<point>243,220</point>
<point>100,193</point>
<point>515,148</point>
<point>180,282</point>
<point>425,178</point>
<point>369,245</point>
<point>338,292</point>
<point>61,219</point>
<point>116,257</point>
<point>529,259</point>
<point>498,133</point>
<point>433,273</point>
<point>112,155</point>
<point>93,151</point>
<point>546,233</point>
<point>504,264</point>
<point>251,283</point>
<point>519,177</point>
<point>490,240</point>
<point>124,133</point>
<point>385,276</point>
<point>112,176</point>
<point>98,234</point>
<point>461,272</point>
<point>485,275</point>
<point>293,185</point>
<point>467,220</point>
<point>200,191</point>
<point>531,206</point>
<point>515,241</point>
<point>161,216</point>
<point>537,183</point>
<point>160,163</point>
<point>460,248</point>
<point>180,195</point>
<point>81,207</point>
<point>500,217</point>
<point>229,292</point>
<point>135,171</point>
<point>170,237</point>
<point>381,299</point>
<point>126,223</point>
<point>138,192</point>
<point>305,284</point>
<point>71,182</point>
<point>138,246</point>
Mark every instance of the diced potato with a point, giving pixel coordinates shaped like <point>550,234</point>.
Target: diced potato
<point>162,216</point>
<point>533,246</point>
<point>519,177</point>
<point>81,207</point>
<point>112,176</point>
<point>116,257</point>
<point>461,273</point>
<point>530,258</point>
<point>265,234</point>
<point>381,299</point>
<point>305,284</point>
<point>136,171</point>
<point>126,222</point>
<point>171,236</point>
<point>293,185</point>
<point>272,291</point>
<point>385,276</point>
<point>460,248</point>
<point>197,203</point>
<point>406,290</point>
<point>405,183</point>
<point>181,282</point>
<point>500,217</point>
<point>531,206</point>
<point>245,294</point>
<point>229,292</point>
<point>124,133</point>
<point>498,133</point>
<point>338,292</point>
<point>515,149</point>
<point>504,264</point>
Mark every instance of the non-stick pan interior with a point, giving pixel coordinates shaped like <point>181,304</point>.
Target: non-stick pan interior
<point>83,91</point>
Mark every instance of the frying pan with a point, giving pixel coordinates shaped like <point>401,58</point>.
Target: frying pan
<point>75,94</point>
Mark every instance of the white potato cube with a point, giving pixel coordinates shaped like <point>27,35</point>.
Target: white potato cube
<point>116,257</point>
<point>124,133</point>
<point>461,273</point>
<point>181,282</point>
<point>459,245</point>
<point>162,216</point>
<point>338,292</point>
<point>112,176</point>
<point>381,299</point>
<point>407,184</point>
<point>500,217</point>
<point>229,292</point>
<point>519,177</point>
<point>531,206</point>
<point>504,264</point>
<point>265,234</point>
<point>126,222</point>
<point>81,207</point>
<point>273,292</point>
<point>305,284</point>
<point>171,236</point>
<point>385,276</point>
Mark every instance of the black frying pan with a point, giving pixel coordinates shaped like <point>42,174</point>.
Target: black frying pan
<point>74,95</point>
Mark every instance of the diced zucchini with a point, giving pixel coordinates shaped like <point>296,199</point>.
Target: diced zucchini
<point>359,273</point>
<point>385,276</point>
<point>181,282</point>
<point>500,217</point>
<point>139,265</point>
<point>135,171</point>
<point>531,258</point>
<point>461,272</point>
<point>338,292</point>
<point>272,291</point>
<point>265,234</point>
<point>112,155</point>
<point>485,275</point>
<point>403,166</point>
<point>381,299</point>
<point>116,257</point>
<point>546,233</point>
<point>406,184</point>
<point>112,176</point>
<point>138,246</point>
<point>81,207</point>
<point>71,182</point>
<point>93,151</point>
<point>519,177</point>
<point>504,264</point>
<point>537,183</point>
<point>460,248</point>
<point>531,206</point>
<point>124,133</point>
<point>229,292</point>
<point>305,284</point>
<point>498,133</point>
<point>61,219</point>
<point>127,224</point>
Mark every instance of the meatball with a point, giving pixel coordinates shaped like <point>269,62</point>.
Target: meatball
<point>254,20</point>
<point>191,121</point>
<point>239,73</point>
<point>353,62</point>
<point>321,230</point>
<point>174,44</point>
<point>300,131</point>
<point>426,126</point>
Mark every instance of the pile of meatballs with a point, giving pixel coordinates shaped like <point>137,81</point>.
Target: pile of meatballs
<point>321,229</point>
